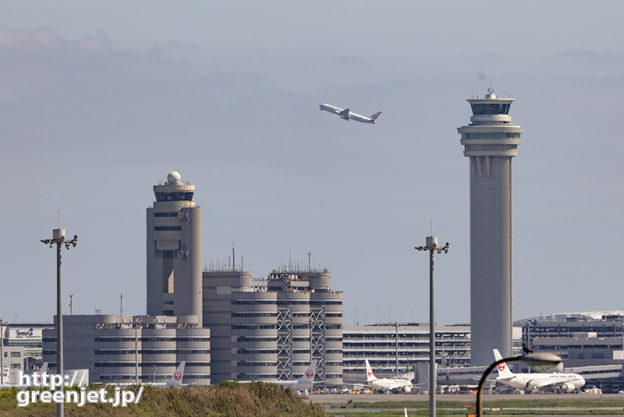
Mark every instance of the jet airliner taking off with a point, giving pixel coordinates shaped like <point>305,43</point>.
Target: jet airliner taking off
<point>346,114</point>
<point>567,382</point>
<point>386,384</point>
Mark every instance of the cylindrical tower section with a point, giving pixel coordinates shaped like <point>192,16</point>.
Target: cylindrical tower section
<point>193,347</point>
<point>320,280</point>
<point>158,347</point>
<point>254,334</point>
<point>326,335</point>
<point>293,333</point>
<point>490,141</point>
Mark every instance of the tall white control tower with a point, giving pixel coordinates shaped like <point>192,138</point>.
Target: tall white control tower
<point>174,274</point>
<point>490,141</point>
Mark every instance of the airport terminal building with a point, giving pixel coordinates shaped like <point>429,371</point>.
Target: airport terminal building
<point>124,349</point>
<point>273,328</point>
<point>399,348</point>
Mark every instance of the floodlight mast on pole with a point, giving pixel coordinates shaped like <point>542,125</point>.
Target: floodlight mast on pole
<point>432,246</point>
<point>58,239</point>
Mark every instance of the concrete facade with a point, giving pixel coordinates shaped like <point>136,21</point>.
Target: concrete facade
<point>12,364</point>
<point>118,348</point>
<point>535,331</point>
<point>273,328</point>
<point>174,251</point>
<point>490,141</point>
<point>241,315</point>
<point>398,348</point>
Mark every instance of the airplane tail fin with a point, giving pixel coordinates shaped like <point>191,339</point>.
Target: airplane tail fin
<point>176,378</point>
<point>369,372</point>
<point>375,116</point>
<point>502,368</point>
<point>308,376</point>
<point>43,369</point>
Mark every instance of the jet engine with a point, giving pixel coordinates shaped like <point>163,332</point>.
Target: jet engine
<point>568,387</point>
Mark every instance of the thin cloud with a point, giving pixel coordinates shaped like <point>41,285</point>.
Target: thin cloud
<point>44,40</point>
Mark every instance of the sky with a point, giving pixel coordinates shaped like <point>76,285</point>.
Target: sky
<point>100,100</point>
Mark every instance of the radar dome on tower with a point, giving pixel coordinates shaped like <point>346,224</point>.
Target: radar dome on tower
<point>173,177</point>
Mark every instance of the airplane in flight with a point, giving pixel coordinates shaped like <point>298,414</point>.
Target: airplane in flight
<point>346,114</point>
<point>386,384</point>
<point>566,382</point>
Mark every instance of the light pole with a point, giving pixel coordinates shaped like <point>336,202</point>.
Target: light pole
<point>58,239</point>
<point>432,247</point>
<point>541,359</point>
<point>2,323</point>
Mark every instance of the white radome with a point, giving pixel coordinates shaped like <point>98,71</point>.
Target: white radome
<point>173,177</point>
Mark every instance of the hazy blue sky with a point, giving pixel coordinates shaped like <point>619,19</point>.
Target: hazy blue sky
<point>99,100</point>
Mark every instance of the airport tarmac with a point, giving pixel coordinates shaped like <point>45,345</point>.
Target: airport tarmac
<point>335,404</point>
<point>467,398</point>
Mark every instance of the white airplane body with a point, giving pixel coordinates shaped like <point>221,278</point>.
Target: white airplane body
<point>346,114</point>
<point>567,382</point>
<point>174,381</point>
<point>305,382</point>
<point>386,384</point>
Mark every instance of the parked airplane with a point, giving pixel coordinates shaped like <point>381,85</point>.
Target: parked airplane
<point>566,382</point>
<point>346,114</point>
<point>175,379</point>
<point>41,372</point>
<point>386,384</point>
<point>305,382</point>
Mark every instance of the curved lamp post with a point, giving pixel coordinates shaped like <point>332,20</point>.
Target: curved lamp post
<point>544,360</point>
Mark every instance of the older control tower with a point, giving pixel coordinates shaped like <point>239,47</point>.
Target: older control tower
<point>174,275</point>
<point>490,141</point>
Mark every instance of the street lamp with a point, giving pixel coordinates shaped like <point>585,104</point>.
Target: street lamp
<point>533,359</point>
<point>432,247</point>
<point>2,323</point>
<point>58,239</point>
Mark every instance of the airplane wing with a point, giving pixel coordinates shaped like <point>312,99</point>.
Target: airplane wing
<point>344,114</point>
<point>330,108</point>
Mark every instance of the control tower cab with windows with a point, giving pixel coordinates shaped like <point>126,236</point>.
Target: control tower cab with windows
<point>174,275</point>
<point>490,141</point>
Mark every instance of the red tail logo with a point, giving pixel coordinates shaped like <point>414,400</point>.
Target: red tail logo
<point>309,373</point>
<point>501,367</point>
<point>177,376</point>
